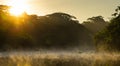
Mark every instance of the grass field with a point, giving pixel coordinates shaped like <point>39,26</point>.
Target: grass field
<point>59,59</point>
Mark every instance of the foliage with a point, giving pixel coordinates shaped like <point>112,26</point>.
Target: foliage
<point>110,35</point>
<point>117,12</point>
<point>57,30</point>
<point>95,24</point>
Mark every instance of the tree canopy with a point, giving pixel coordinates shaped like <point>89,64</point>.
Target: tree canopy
<point>109,37</point>
<point>95,24</point>
<point>56,30</point>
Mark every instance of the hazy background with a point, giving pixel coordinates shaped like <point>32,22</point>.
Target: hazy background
<point>82,9</point>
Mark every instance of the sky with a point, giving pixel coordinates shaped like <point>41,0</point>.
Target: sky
<point>82,9</point>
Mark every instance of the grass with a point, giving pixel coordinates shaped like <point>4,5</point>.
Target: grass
<point>59,59</point>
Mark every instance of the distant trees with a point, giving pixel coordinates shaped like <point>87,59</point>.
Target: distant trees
<point>108,39</point>
<point>96,19</point>
<point>95,24</point>
<point>57,30</point>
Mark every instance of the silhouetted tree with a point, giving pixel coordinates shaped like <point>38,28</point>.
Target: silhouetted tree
<point>95,24</point>
<point>60,30</point>
<point>109,37</point>
<point>57,30</point>
<point>117,12</point>
<point>96,19</point>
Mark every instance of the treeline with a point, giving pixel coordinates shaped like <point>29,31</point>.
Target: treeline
<point>58,30</point>
<point>106,33</point>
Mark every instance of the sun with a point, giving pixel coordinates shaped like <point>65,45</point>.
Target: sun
<point>17,7</point>
<point>16,11</point>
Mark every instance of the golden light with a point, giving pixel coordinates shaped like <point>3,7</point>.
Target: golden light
<point>18,7</point>
<point>16,12</point>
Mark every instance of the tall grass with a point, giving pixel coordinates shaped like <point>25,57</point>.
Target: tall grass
<point>60,59</point>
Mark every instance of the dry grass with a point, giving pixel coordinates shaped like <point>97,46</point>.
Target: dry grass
<point>60,59</point>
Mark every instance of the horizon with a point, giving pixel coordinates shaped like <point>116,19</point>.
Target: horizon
<point>82,9</point>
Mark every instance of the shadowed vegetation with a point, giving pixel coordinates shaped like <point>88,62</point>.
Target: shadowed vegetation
<point>109,37</point>
<point>57,30</point>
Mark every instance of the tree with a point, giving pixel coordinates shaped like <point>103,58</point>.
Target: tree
<point>95,24</point>
<point>63,16</point>
<point>96,19</point>
<point>59,30</point>
<point>56,30</point>
<point>117,12</point>
<point>110,35</point>
<point>4,8</point>
<point>4,11</point>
